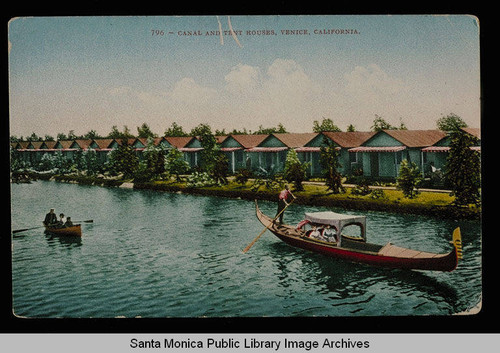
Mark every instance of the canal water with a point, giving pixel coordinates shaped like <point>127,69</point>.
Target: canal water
<point>153,254</point>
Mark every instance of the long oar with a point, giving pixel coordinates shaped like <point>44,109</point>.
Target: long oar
<point>25,229</point>
<point>266,228</point>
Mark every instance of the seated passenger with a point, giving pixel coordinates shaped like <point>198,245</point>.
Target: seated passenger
<point>61,221</point>
<point>315,233</point>
<point>329,234</point>
<point>68,222</point>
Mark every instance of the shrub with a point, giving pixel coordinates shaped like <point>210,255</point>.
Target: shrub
<point>294,170</point>
<point>243,176</point>
<point>409,179</point>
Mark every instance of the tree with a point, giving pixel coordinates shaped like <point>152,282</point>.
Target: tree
<point>409,179</point>
<point>272,130</point>
<point>175,130</point>
<point>329,160</point>
<point>72,135</point>
<point>351,128</point>
<point>212,160</point>
<point>326,125</point>
<point>123,160</point>
<point>144,131</point>
<point>62,136</point>
<point>451,122</point>
<point>294,171</point>
<point>175,163</point>
<point>463,169</point>
<point>153,163</point>
<point>201,130</point>
<point>92,134</point>
<point>34,137</point>
<point>117,135</point>
<point>379,124</point>
<point>91,165</point>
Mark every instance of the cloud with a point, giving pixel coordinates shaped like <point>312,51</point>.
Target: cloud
<point>373,83</point>
<point>243,79</point>
<point>187,91</point>
<point>282,92</point>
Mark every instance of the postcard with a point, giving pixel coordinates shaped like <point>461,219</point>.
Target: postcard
<point>245,166</point>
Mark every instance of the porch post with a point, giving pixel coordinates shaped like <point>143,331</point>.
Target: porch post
<point>396,163</point>
<point>232,162</point>
<point>311,160</point>
<point>422,160</point>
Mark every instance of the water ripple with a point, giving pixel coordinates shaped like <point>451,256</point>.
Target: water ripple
<point>166,255</point>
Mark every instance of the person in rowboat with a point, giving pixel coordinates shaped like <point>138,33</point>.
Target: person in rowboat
<point>68,222</point>
<point>283,201</point>
<point>61,221</point>
<point>50,218</point>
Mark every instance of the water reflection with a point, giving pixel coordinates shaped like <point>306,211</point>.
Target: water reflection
<point>350,284</point>
<point>64,240</point>
<point>158,254</point>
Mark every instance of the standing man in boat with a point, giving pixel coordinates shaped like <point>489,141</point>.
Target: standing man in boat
<point>283,202</point>
<point>50,218</point>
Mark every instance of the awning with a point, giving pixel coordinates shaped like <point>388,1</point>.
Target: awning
<point>190,149</point>
<point>337,220</point>
<point>312,149</point>
<point>230,149</point>
<point>308,149</point>
<point>266,149</point>
<point>48,149</point>
<point>377,149</point>
<point>436,149</point>
<point>446,149</point>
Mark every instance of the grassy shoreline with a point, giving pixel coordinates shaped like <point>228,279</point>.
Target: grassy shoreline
<point>436,204</point>
<point>428,203</point>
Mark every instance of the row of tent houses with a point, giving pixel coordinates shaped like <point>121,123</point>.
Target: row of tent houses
<point>375,154</point>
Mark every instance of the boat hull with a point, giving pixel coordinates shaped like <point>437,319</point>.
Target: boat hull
<point>383,256</point>
<point>74,231</point>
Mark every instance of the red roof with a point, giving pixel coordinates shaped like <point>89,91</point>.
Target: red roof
<point>474,131</point>
<point>349,139</point>
<point>294,140</point>
<point>178,141</point>
<point>103,143</point>
<point>417,138</point>
<point>249,141</point>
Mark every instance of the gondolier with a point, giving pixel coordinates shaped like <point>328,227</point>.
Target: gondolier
<point>283,199</point>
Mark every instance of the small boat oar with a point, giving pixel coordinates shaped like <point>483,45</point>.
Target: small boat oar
<point>267,227</point>
<point>25,229</point>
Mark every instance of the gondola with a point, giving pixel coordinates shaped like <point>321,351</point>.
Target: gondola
<point>355,248</point>
<point>73,231</point>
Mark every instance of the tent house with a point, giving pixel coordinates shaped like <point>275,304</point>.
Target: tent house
<point>383,153</point>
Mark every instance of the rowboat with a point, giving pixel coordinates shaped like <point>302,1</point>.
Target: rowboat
<point>74,231</point>
<point>354,247</point>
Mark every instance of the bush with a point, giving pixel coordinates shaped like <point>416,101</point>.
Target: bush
<point>243,176</point>
<point>268,180</point>
<point>200,179</point>
<point>294,170</point>
<point>362,188</point>
<point>409,179</point>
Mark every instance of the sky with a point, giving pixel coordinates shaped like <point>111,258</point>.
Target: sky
<point>92,73</point>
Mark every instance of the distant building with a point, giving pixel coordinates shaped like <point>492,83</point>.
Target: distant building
<point>372,154</point>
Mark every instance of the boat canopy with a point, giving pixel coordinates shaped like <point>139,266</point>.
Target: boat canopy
<point>337,220</point>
